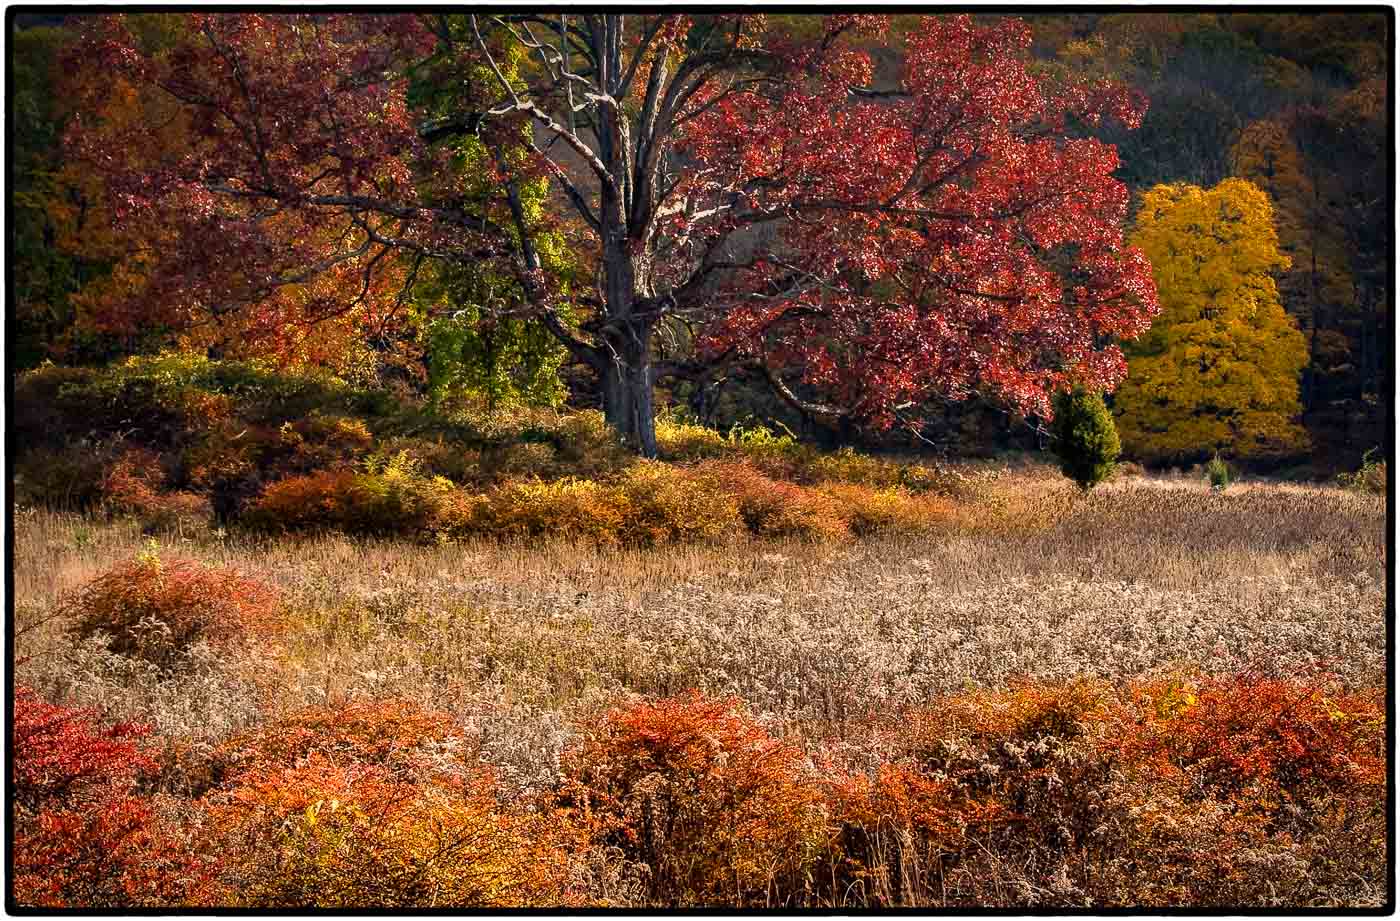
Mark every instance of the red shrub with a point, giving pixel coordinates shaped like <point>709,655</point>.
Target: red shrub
<point>58,751</point>
<point>1279,741</point>
<point>897,834</point>
<point>319,500</point>
<point>156,609</point>
<point>82,839</point>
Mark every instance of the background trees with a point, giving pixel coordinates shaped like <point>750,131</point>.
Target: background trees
<point>1293,102</point>
<point>1218,371</point>
<point>117,230</point>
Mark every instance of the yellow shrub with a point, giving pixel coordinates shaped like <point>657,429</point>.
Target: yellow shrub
<point>666,504</point>
<point>569,508</point>
<point>688,441</point>
<point>874,511</point>
<point>348,836</point>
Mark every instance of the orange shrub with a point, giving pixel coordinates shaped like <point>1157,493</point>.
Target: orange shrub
<point>1067,794</point>
<point>1274,742</point>
<point>398,736</point>
<point>890,510</point>
<point>718,811</point>
<point>897,835</point>
<point>132,485</point>
<point>156,609</point>
<point>390,502</point>
<point>774,508</point>
<point>314,501</point>
<point>1026,767</point>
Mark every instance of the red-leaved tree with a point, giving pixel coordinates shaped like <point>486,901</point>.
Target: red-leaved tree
<point>744,185</point>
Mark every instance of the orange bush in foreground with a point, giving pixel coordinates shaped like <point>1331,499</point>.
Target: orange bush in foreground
<point>397,736</point>
<point>1208,792</point>
<point>377,803</point>
<point>1240,791</point>
<point>718,811</point>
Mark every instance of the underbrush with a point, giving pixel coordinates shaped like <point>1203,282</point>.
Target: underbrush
<point>1198,791</point>
<point>177,441</point>
<point>648,504</point>
<point>1370,477</point>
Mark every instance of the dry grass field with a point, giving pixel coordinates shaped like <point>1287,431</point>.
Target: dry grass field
<point>1140,583</point>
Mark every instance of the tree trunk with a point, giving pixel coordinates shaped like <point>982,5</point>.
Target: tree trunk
<point>627,384</point>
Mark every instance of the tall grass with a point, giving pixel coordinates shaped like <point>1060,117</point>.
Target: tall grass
<point>836,649</point>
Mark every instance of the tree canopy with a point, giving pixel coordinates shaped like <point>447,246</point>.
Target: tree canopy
<point>745,185</point>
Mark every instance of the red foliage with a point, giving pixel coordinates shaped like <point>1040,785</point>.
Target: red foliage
<point>948,234</point>
<point>1276,741</point>
<point>59,751</point>
<point>82,839</point>
<point>948,211</point>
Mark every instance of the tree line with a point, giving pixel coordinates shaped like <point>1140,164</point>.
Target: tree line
<point>862,224</point>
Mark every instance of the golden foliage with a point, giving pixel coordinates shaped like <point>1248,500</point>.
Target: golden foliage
<point>1218,371</point>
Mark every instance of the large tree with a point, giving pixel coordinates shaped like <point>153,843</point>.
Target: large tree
<point>745,186</point>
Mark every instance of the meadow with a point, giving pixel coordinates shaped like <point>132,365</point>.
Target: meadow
<point>487,459</point>
<point>1152,694</point>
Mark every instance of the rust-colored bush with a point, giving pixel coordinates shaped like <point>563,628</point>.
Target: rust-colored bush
<point>133,486</point>
<point>1276,742</point>
<point>389,501</point>
<point>156,609</point>
<point>898,834</point>
<point>718,811</point>
<point>1238,791</point>
<point>399,736</point>
<point>774,508</point>
<point>889,510</point>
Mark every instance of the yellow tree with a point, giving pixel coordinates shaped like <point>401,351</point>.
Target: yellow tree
<point>1218,371</point>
